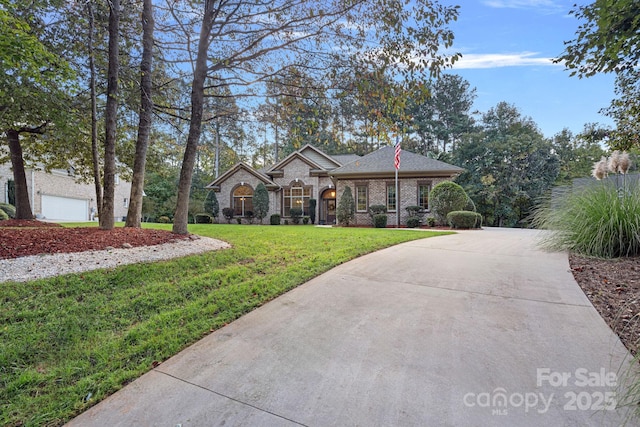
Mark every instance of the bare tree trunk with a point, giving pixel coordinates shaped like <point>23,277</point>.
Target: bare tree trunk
<point>94,113</point>
<point>134,213</point>
<point>217,164</point>
<point>181,216</point>
<point>23,207</point>
<point>106,216</point>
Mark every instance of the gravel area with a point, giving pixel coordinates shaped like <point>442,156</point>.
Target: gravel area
<point>32,267</point>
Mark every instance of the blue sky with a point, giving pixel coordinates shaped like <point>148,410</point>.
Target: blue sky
<point>507,46</point>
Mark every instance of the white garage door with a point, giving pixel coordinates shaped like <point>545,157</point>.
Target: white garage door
<point>65,208</point>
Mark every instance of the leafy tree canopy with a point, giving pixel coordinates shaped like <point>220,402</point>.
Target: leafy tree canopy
<point>608,40</point>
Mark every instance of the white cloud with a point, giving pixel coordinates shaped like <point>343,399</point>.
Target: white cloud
<point>547,5</point>
<point>496,60</point>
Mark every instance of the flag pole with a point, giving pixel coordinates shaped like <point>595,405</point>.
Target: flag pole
<point>396,163</point>
<point>397,202</point>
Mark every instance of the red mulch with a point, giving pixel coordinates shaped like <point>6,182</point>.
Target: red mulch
<point>22,238</point>
<point>613,287</point>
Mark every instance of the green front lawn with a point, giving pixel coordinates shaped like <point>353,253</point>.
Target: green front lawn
<point>68,342</point>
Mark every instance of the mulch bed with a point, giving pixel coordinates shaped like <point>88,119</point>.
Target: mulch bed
<point>23,238</point>
<point>613,287</point>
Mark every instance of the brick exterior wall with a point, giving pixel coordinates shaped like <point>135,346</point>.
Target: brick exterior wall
<point>377,195</point>
<point>58,183</point>
<point>295,169</point>
<point>298,169</point>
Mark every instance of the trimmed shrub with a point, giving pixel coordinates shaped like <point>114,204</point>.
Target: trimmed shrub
<point>447,197</point>
<point>286,222</point>
<point>415,210</point>
<point>380,221</point>
<point>228,213</point>
<point>3,215</point>
<point>463,219</point>
<point>203,218</point>
<point>10,210</point>
<point>239,220</point>
<point>470,206</point>
<point>295,214</point>
<point>377,210</point>
<point>305,220</point>
<point>261,202</point>
<point>211,205</point>
<point>164,220</point>
<point>248,215</point>
<point>312,210</point>
<point>431,221</point>
<point>274,219</point>
<point>346,208</point>
<point>413,222</point>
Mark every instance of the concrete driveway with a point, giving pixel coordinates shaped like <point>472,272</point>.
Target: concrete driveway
<point>476,329</point>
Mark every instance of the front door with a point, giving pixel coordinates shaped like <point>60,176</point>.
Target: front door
<point>328,207</point>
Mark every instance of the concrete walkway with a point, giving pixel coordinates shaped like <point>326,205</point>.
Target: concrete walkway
<point>474,329</point>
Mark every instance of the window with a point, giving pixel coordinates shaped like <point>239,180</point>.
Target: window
<point>361,198</point>
<point>242,200</point>
<point>391,197</point>
<point>126,202</point>
<point>296,196</point>
<point>423,195</point>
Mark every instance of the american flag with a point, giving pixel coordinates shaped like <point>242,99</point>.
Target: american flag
<point>396,158</point>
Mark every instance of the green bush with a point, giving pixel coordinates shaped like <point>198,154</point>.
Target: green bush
<point>346,211</point>
<point>431,221</point>
<point>261,202</point>
<point>295,214</point>
<point>164,220</point>
<point>470,206</point>
<point>211,205</point>
<point>415,210</point>
<point>464,219</point>
<point>274,219</point>
<point>597,221</point>
<point>203,218</point>
<point>239,220</point>
<point>10,210</point>
<point>380,221</point>
<point>228,213</point>
<point>3,215</point>
<point>305,220</point>
<point>312,210</point>
<point>447,197</point>
<point>413,222</point>
<point>377,210</point>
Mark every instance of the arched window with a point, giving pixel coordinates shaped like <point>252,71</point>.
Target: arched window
<point>297,195</point>
<point>242,200</point>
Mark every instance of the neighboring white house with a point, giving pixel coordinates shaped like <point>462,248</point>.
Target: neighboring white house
<point>57,196</point>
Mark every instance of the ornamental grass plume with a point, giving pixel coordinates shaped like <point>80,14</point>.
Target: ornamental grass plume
<point>614,162</point>
<point>600,169</point>
<point>624,163</point>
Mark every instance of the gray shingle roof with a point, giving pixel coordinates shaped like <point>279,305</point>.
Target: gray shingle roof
<point>344,159</point>
<point>380,162</point>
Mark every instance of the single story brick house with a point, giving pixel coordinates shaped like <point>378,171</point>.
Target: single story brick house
<point>58,196</point>
<point>309,173</point>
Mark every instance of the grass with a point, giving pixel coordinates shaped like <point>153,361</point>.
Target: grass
<point>70,341</point>
<point>599,221</point>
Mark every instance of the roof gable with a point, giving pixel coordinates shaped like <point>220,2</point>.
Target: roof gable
<point>380,162</point>
<point>241,166</point>
<point>295,155</point>
<point>319,157</point>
